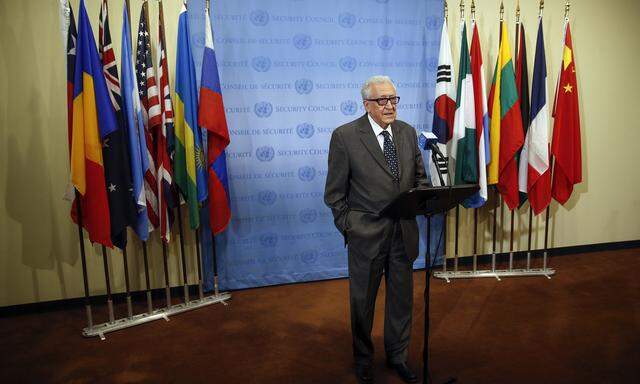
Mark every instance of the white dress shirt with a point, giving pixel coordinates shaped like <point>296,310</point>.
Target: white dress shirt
<point>377,130</point>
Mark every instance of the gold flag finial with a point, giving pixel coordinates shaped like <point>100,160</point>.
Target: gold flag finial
<point>501,11</point>
<point>473,10</point>
<point>541,8</point>
<point>446,10</point>
<point>518,11</point>
<point>567,7</point>
<point>461,9</point>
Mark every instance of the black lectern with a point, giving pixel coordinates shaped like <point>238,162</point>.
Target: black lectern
<point>427,201</point>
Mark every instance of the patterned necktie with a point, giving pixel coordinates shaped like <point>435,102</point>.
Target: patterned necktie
<point>391,156</point>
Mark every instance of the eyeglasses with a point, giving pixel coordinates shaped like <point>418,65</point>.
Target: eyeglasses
<point>382,101</point>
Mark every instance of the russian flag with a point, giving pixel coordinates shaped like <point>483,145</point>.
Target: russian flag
<point>211,116</point>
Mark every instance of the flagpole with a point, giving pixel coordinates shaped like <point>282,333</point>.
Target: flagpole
<point>475,210</point>
<point>511,241</point>
<point>495,223</point>
<point>184,270</point>
<point>427,278</point>
<point>146,277</point>
<point>529,239</point>
<point>126,281</point>
<point>106,279</point>
<point>215,265</point>
<point>199,263</point>
<point>475,240</point>
<point>165,265</point>
<point>83,258</point>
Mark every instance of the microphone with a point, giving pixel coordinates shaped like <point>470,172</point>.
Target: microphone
<point>428,140</point>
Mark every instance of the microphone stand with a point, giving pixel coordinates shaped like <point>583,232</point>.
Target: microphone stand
<point>441,163</point>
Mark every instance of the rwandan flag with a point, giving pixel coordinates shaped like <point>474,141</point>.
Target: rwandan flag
<point>211,116</point>
<point>507,136</point>
<point>93,119</point>
<point>189,163</point>
<point>482,118</point>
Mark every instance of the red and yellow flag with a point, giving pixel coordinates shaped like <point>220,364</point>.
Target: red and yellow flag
<point>566,146</point>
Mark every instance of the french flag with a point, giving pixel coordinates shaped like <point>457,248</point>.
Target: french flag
<point>211,116</point>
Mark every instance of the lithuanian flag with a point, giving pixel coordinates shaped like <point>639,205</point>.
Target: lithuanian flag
<point>506,131</point>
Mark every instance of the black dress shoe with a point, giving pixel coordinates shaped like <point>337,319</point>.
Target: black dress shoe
<point>364,373</point>
<point>403,370</point>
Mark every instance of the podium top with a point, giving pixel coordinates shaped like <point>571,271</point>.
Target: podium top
<point>428,201</point>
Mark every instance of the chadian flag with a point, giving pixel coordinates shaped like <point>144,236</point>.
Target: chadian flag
<point>138,159</point>
<point>522,83</point>
<point>566,146</point>
<point>93,119</point>
<point>189,156</point>
<point>148,91</point>
<point>114,148</point>
<point>507,136</point>
<point>537,141</point>
<point>481,118</point>
<point>444,105</point>
<point>164,172</point>
<point>464,151</point>
<point>211,116</point>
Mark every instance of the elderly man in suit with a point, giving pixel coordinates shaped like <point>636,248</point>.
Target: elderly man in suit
<point>371,160</point>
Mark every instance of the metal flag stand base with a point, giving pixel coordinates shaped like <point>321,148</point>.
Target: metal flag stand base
<point>162,313</point>
<point>497,274</point>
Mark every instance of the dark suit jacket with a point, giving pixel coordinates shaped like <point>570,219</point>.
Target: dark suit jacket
<point>360,184</point>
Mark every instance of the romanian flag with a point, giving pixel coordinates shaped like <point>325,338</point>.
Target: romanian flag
<point>188,151</point>
<point>93,119</point>
<point>566,146</point>
<point>211,116</point>
<point>506,131</point>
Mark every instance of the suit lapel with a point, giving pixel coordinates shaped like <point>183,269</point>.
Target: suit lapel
<point>371,143</point>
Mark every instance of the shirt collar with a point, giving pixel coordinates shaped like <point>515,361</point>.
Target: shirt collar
<point>377,129</point>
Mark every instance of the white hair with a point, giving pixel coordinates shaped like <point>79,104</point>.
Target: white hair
<point>377,79</point>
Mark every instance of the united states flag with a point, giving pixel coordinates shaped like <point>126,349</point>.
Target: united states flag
<point>164,162</point>
<point>151,111</point>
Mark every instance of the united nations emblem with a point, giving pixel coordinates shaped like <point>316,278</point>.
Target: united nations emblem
<point>305,130</point>
<point>263,109</point>
<point>261,63</point>
<point>430,105</point>
<point>259,17</point>
<point>347,20</point>
<point>349,107</point>
<point>265,153</point>
<point>302,41</point>
<point>308,215</point>
<point>348,63</point>
<point>304,86</point>
<point>267,197</point>
<point>269,240</point>
<point>306,173</point>
<point>433,22</point>
<point>309,256</point>
<point>385,42</point>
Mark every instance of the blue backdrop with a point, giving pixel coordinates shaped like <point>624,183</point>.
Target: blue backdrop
<point>291,72</point>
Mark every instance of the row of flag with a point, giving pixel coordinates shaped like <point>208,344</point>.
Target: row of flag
<point>134,151</point>
<point>502,139</point>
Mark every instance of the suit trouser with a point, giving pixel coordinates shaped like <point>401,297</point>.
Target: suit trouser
<point>365,274</point>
